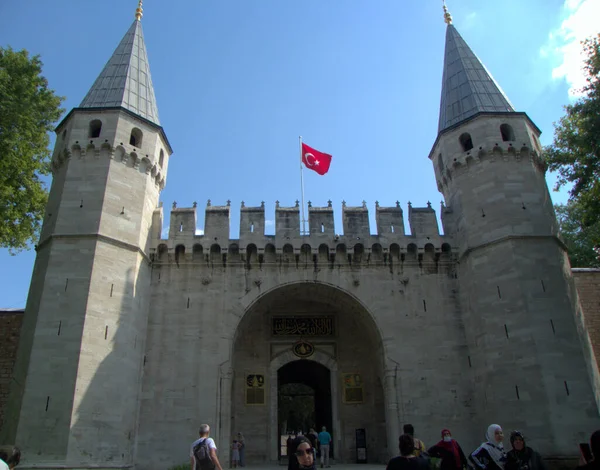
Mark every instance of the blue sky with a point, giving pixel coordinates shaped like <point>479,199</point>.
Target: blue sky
<point>237,81</point>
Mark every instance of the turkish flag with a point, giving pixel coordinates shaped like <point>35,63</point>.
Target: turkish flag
<point>315,160</point>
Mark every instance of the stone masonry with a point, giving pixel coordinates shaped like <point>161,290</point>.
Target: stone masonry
<point>130,341</point>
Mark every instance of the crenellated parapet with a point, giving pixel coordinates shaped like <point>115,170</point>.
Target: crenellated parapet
<point>129,158</point>
<point>320,242</point>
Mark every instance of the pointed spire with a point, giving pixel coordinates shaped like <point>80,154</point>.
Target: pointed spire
<point>467,86</point>
<point>125,80</point>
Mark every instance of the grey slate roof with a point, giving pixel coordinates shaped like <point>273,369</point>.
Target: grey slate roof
<point>125,80</point>
<point>467,87</point>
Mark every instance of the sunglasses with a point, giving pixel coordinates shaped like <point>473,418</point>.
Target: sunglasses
<point>302,453</point>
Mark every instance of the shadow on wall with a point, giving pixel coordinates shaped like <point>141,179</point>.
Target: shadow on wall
<point>105,419</point>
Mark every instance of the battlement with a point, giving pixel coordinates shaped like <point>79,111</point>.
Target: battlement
<point>319,240</point>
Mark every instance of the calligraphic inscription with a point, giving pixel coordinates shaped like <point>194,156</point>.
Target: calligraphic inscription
<point>255,389</point>
<point>255,381</point>
<point>303,349</point>
<point>353,388</point>
<point>303,326</point>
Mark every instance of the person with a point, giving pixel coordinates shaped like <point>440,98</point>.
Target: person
<point>235,453</point>
<point>522,457</point>
<point>8,462</point>
<point>3,459</point>
<point>242,443</point>
<point>451,455</point>
<point>324,442</point>
<point>407,459</point>
<point>593,464</point>
<point>302,455</point>
<point>490,455</point>
<point>200,459</point>
<point>419,444</point>
<point>313,437</point>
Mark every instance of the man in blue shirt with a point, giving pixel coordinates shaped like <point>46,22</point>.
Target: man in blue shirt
<point>324,442</point>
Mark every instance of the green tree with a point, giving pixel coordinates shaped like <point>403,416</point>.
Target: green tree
<point>28,110</point>
<point>575,152</point>
<point>580,239</point>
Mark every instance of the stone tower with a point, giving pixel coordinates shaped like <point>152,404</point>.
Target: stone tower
<point>76,385</point>
<point>519,305</point>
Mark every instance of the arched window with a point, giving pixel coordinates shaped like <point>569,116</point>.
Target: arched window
<point>197,252</point>
<point>323,253</point>
<point>136,137</point>
<point>465,141</point>
<point>95,128</point>
<point>161,158</point>
<point>162,252</point>
<point>508,135</point>
<point>179,253</point>
<point>270,255</point>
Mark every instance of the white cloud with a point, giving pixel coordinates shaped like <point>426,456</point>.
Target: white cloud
<point>580,22</point>
<point>199,231</point>
<point>165,233</point>
<point>269,223</point>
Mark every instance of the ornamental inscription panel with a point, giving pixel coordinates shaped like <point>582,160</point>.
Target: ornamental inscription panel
<point>303,326</point>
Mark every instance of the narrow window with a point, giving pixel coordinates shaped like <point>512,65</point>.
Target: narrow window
<point>181,227</point>
<point>251,228</point>
<point>95,128</point>
<point>508,135</point>
<point>466,142</point>
<point>161,159</point>
<point>136,137</point>
<point>440,162</point>
<point>392,228</point>
<point>322,228</point>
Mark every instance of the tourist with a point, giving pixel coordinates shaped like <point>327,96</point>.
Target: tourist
<point>324,443</point>
<point>490,455</point>
<point>8,462</point>
<point>313,437</point>
<point>419,444</point>
<point>522,457</point>
<point>592,463</point>
<point>407,459</point>
<point>235,453</point>
<point>203,452</point>
<point>451,455</point>
<point>302,455</point>
<point>242,443</point>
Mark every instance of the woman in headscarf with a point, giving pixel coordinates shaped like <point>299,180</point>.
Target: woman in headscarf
<point>302,456</point>
<point>242,449</point>
<point>490,455</point>
<point>451,455</point>
<point>522,457</point>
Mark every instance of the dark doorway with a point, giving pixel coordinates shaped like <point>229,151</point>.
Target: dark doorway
<point>304,399</point>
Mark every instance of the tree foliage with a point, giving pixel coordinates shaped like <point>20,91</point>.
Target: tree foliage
<point>580,240</point>
<point>28,110</point>
<point>575,152</point>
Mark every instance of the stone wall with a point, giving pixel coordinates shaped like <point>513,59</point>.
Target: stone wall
<point>587,281</point>
<point>10,328</point>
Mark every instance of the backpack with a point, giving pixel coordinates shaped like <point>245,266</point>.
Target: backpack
<point>202,456</point>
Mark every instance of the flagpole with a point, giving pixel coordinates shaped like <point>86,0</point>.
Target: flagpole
<point>302,187</point>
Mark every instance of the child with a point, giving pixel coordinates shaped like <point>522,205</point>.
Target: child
<point>235,454</point>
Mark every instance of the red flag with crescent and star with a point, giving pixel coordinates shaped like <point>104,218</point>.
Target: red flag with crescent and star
<point>315,160</point>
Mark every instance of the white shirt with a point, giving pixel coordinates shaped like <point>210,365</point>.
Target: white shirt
<point>209,442</point>
<point>3,465</point>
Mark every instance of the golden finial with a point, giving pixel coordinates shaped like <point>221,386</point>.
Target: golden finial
<point>139,11</point>
<point>447,15</point>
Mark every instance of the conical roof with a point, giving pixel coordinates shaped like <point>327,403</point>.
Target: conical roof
<point>125,80</point>
<point>467,86</point>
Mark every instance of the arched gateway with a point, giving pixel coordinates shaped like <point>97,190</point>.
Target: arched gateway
<point>308,354</point>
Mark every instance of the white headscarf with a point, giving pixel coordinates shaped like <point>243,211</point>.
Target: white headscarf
<point>495,449</point>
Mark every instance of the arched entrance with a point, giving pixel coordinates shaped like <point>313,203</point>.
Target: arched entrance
<point>303,399</point>
<point>317,347</point>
